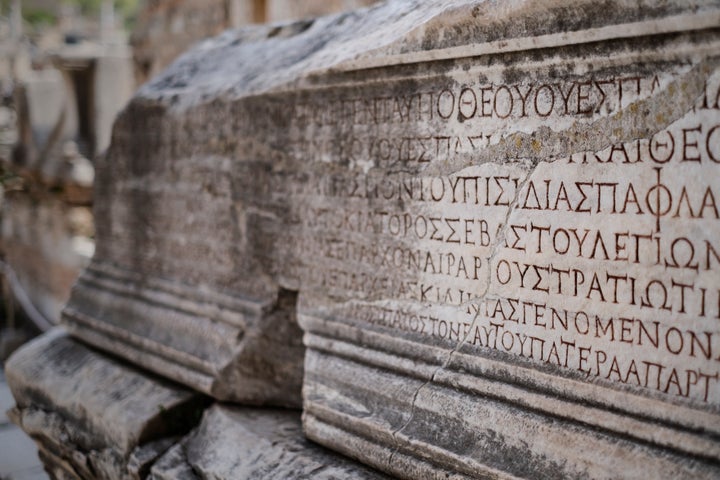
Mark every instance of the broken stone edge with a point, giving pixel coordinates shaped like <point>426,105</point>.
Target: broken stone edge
<point>85,424</point>
<point>475,389</point>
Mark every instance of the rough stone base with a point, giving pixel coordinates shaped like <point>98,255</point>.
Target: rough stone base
<point>253,444</point>
<point>92,416</point>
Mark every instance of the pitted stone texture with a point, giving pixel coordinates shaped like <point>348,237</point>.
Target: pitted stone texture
<point>502,236</point>
<point>254,444</point>
<point>261,59</point>
<point>252,137</point>
<point>91,416</point>
<point>225,346</point>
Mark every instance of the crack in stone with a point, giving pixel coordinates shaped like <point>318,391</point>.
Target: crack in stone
<point>194,469</point>
<point>532,166</point>
<point>637,120</point>
<point>594,138</point>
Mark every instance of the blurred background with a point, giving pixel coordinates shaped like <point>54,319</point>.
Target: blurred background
<point>67,67</point>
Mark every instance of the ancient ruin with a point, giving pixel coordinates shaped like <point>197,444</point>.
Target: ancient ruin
<point>464,239</point>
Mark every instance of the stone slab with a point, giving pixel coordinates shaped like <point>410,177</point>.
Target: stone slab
<point>496,224</point>
<point>226,346</point>
<point>491,337</point>
<point>253,444</point>
<point>91,416</point>
<point>158,282</point>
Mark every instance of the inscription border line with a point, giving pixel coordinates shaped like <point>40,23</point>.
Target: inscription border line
<point>678,424</point>
<point>645,28</point>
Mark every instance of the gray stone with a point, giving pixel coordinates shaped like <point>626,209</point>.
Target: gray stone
<point>253,444</point>
<point>91,416</point>
<point>221,345</point>
<point>18,455</point>
<point>496,224</point>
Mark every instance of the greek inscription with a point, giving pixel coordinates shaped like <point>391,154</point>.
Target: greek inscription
<point>581,97</point>
<point>600,264</point>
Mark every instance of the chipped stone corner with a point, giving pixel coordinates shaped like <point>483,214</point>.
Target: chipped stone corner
<point>92,416</point>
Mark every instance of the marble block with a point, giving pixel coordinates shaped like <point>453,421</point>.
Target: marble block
<point>91,416</point>
<point>254,444</point>
<point>495,223</point>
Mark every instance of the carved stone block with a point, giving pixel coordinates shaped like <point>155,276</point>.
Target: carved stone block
<point>498,224</point>
<point>253,444</point>
<point>91,416</point>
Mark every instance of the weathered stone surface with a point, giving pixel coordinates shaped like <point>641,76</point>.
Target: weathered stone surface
<point>91,416</point>
<point>501,222</point>
<point>222,345</point>
<point>167,28</point>
<point>253,444</point>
